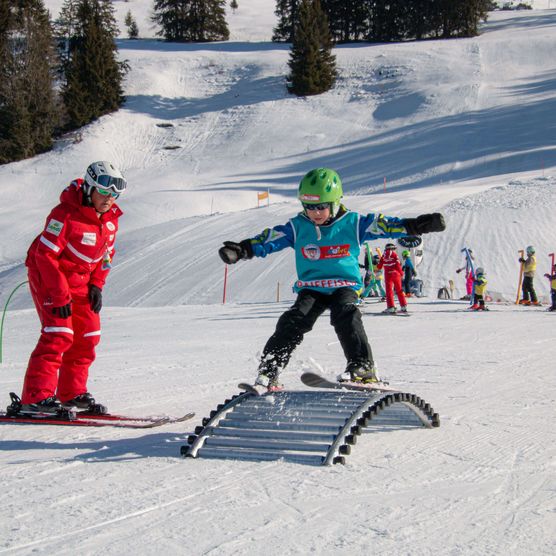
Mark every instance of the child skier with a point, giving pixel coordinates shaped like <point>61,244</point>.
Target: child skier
<point>392,279</point>
<point>479,287</point>
<point>529,268</point>
<point>376,282</point>
<point>326,238</point>
<point>468,275</point>
<point>67,267</point>
<point>552,278</point>
<point>408,272</point>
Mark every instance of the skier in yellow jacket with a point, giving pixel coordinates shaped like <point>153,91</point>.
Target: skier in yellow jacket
<point>529,268</point>
<point>479,287</point>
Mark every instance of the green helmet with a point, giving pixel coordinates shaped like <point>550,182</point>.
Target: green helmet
<point>321,185</point>
<point>405,253</point>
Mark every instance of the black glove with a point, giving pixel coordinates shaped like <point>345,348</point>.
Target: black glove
<point>424,224</point>
<point>232,252</point>
<point>63,312</point>
<point>521,260</point>
<point>95,298</point>
<point>458,270</point>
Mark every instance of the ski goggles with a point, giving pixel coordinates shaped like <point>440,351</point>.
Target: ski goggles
<point>110,182</point>
<point>106,192</point>
<point>319,206</point>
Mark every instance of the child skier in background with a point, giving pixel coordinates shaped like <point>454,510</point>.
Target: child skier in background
<point>479,287</point>
<point>376,282</point>
<point>326,238</point>
<point>408,272</point>
<point>529,268</point>
<point>468,275</point>
<point>552,278</point>
<point>392,279</point>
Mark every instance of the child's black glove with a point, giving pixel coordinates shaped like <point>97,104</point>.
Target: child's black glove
<point>232,252</point>
<point>95,298</point>
<point>424,224</point>
<point>521,260</point>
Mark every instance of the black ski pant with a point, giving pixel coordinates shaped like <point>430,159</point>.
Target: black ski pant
<point>528,289</point>
<point>345,317</point>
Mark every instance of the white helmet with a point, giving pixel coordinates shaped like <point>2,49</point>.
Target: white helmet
<point>480,271</point>
<point>103,175</point>
<point>530,250</point>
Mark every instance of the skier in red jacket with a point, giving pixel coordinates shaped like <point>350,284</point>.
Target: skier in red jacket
<point>392,279</point>
<point>67,266</point>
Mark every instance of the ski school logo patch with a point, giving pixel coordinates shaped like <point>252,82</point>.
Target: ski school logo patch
<point>110,226</point>
<point>314,252</point>
<point>54,227</point>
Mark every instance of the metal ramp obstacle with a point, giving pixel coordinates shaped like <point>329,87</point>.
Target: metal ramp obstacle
<point>312,427</point>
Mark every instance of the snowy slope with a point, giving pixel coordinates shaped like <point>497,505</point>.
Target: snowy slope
<point>463,126</point>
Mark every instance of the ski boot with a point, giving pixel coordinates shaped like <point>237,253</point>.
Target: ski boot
<point>524,302</point>
<point>86,402</point>
<point>389,311</point>
<point>474,307</point>
<point>403,309</point>
<point>536,303</point>
<point>362,372</point>
<point>49,407</point>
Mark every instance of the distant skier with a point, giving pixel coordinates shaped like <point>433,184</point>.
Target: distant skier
<point>409,272</point>
<point>552,278</point>
<point>376,282</point>
<point>479,287</point>
<point>67,266</point>
<point>468,275</point>
<point>393,273</point>
<point>529,269</point>
<point>326,238</point>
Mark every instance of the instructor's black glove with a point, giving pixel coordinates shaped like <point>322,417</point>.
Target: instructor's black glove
<point>424,224</point>
<point>521,260</point>
<point>63,312</point>
<point>232,252</point>
<point>95,298</point>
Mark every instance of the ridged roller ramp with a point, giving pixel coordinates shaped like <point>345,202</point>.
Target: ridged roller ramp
<point>315,427</point>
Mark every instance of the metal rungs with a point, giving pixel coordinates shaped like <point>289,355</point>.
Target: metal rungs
<point>312,427</point>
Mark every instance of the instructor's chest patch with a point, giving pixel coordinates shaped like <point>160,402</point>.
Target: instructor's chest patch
<point>89,238</point>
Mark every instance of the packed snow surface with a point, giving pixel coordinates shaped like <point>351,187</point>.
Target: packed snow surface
<point>465,127</point>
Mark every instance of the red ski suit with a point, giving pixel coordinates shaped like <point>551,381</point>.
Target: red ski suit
<point>72,252</point>
<point>392,277</point>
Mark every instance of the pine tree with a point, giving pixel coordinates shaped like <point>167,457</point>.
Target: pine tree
<point>28,108</point>
<point>191,20</point>
<point>131,24</point>
<point>312,64</point>
<point>93,75</point>
<point>287,13</point>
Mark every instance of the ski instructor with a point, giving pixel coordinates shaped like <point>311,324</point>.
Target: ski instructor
<point>67,266</point>
<point>327,239</point>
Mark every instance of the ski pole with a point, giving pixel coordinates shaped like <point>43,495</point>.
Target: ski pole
<point>225,283</point>
<point>521,255</point>
<point>4,314</point>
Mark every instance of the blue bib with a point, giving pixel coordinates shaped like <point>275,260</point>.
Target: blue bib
<point>330,261</point>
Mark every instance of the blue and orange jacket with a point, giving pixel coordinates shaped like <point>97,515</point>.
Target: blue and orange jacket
<point>327,256</point>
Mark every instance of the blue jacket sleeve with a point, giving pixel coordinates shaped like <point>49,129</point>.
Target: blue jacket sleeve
<point>378,226</point>
<point>271,240</point>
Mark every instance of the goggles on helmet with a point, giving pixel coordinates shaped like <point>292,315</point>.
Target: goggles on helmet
<point>110,182</point>
<point>318,206</point>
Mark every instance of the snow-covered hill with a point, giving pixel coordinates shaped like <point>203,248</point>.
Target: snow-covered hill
<point>463,126</point>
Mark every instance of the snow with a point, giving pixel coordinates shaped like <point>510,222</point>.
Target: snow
<point>462,126</point>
